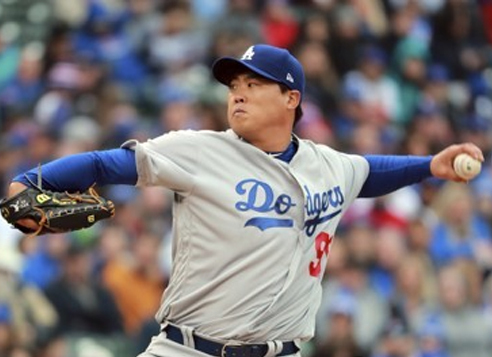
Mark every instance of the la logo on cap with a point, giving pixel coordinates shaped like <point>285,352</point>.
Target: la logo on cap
<point>248,55</point>
<point>290,78</point>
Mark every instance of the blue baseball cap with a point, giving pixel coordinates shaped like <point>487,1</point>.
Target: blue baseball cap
<point>274,63</point>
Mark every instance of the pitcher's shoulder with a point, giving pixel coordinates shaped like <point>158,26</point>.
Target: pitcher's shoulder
<point>227,137</point>
<point>221,135</point>
<point>205,134</point>
<point>329,154</point>
<point>322,149</point>
<point>191,136</point>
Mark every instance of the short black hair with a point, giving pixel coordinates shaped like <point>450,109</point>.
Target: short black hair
<point>299,113</point>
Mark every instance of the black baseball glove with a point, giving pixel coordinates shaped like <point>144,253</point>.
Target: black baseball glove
<point>55,212</point>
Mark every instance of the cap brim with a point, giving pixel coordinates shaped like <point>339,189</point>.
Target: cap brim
<point>225,68</point>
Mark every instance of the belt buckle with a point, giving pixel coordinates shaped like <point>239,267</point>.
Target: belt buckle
<point>223,352</point>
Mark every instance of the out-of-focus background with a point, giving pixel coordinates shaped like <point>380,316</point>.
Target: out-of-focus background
<point>409,273</point>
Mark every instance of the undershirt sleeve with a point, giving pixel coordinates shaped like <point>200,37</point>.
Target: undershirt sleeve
<point>80,171</point>
<point>388,173</point>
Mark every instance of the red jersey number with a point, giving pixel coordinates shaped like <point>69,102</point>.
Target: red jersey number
<point>322,245</point>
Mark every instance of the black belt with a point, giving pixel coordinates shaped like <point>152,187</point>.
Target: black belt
<point>226,350</point>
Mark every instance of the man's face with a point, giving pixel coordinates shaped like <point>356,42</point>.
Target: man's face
<point>257,105</point>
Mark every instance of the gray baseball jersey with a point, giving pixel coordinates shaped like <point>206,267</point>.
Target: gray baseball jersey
<point>251,232</point>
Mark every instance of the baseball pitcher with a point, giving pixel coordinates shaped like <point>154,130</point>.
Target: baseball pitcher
<point>255,211</point>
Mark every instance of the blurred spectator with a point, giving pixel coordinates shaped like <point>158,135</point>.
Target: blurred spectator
<point>409,69</point>
<point>83,304</point>
<point>9,61</point>
<point>396,339</point>
<point>32,318</point>
<point>420,28</point>
<point>481,192</point>
<point>477,129</point>
<point>139,269</point>
<point>347,39</point>
<point>415,293</point>
<point>280,27</point>
<point>458,38</point>
<point>401,20</point>
<point>383,216</point>
<point>321,80</point>
<point>487,300</point>
<point>430,337</point>
<point>460,234</point>
<point>315,27</point>
<point>57,346</point>
<point>73,14</point>
<point>121,123</point>
<point>366,139</point>
<point>427,6</point>
<point>80,134</point>
<point>7,341</point>
<point>360,239</point>
<point>44,265</point>
<point>141,18</point>
<point>340,340</point>
<point>466,332</point>
<point>208,10</point>
<point>352,111</point>
<point>12,152</point>
<point>130,219</point>
<point>339,255</point>
<point>56,106</point>
<point>437,77</point>
<point>390,251</point>
<point>27,85</point>
<point>240,19</point>
<point>155,206</point>
<point>178,114</point>
<point>176,42</point>
<point>370,313</point>
<point>431,126</point>
<point>418,239</point>
<point>372,17</point>
<point>486,11</point>
<point>59,47</point>
<point>210,116</point>
<point>314,125</point>
<point>436,92</point>
<point>397,214</point>
<point>378,91</point>
<point>113,242</point>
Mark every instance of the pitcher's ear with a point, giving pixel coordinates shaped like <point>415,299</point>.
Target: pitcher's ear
<point>293,99</point>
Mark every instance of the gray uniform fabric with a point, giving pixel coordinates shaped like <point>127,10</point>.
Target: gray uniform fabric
<point>251,232</point>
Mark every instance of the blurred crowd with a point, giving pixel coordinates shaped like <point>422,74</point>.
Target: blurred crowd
<point>409,274</point>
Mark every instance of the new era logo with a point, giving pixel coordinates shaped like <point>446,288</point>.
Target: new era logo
<point>289,78</point>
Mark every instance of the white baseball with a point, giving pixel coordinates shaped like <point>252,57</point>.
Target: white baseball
<point>466,166</point>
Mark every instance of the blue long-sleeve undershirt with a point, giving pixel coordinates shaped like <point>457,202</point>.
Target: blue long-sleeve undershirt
<point>387,173</point>
<point>118,166</point>
<point>80,171</point>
